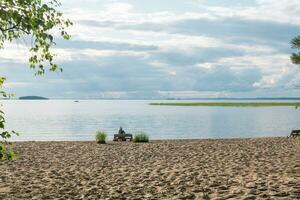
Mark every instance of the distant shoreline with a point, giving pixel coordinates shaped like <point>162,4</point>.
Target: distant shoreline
<point>229,104</point>
<point>163,99</point>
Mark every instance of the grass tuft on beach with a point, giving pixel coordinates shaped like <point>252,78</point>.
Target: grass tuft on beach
<point>101,137</point>
<point>141,137</point>
<point>229,104</point>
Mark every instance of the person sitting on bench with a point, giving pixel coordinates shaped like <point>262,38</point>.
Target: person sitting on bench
<point>122,135</point>
<point>121,131</point>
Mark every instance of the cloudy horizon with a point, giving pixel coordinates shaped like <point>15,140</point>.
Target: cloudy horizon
<point>178,48</point>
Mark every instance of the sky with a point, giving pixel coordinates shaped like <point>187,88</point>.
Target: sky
<point>162,49</point>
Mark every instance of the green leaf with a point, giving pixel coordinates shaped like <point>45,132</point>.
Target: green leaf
<point>2,148</point>
<point>11,155</point>
<point>2,157</point>
<point>295,44</point>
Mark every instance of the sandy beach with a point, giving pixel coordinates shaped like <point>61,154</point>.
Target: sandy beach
<point>262,168</point>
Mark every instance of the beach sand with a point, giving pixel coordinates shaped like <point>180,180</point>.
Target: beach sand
<point>262,168</point>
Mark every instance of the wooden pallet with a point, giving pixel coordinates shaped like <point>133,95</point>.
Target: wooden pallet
<point>295,133</point>
<point>122,137</point>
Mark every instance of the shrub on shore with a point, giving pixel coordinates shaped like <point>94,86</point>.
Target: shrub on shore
<point>101,137</point>
<point>141,137</point>
<point>6,154</point>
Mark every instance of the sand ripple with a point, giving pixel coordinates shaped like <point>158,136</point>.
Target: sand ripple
<point>266,168</point>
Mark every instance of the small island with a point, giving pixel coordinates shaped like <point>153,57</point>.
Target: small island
<point>33,98</point>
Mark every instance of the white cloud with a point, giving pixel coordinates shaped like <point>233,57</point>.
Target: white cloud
<point>158,64</point>
<point>276,69</point>
<point>15,53</point>
<point>163,67</point>
<point>270,63</point>
<point>118,8</point>
<point>16,84</point>
<point>192,94</point>
<point>20,54</point>
<point>173,73</point>
<point>84,54</point>
<point>267,81</point>
<point>112,94</point>
<point>284,11</point>
<point>204,65</point>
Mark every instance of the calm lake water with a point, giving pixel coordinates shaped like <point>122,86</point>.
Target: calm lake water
<point>68,120</point>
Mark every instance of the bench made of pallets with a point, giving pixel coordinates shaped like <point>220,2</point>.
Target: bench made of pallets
<point>122,137</point>
<point>295,133</point>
